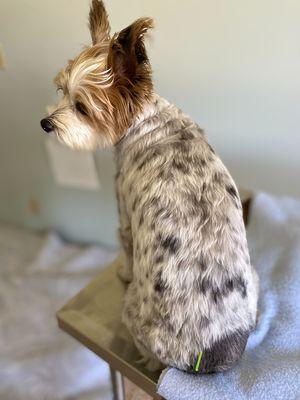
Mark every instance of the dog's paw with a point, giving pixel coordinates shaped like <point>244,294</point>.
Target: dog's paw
<point>151,364</point>
<point>154,365</point>
<point>124,273</point>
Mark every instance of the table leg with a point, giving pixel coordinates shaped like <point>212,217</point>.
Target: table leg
<point>117,381</point>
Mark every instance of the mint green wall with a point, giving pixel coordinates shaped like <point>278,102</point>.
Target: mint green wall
<point>233,66</point>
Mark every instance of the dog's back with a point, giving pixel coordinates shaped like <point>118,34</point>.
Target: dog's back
<point>193,289</point>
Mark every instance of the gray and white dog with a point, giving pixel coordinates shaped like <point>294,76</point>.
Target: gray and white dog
<point>191,288</point>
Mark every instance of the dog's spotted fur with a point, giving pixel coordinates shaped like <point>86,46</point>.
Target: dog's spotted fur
<point>193,288</point>
<point>185,256</point>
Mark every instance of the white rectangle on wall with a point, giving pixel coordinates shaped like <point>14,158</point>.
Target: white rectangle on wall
<point>72,168</point>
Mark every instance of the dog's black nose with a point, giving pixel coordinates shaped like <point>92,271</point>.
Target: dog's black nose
<point>47,125</point>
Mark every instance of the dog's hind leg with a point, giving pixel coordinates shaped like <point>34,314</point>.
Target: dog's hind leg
<point>147,360</point>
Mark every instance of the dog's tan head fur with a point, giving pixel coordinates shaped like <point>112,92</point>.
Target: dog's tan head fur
<point>105,87</point>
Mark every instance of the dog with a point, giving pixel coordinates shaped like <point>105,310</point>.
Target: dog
<point>191,300</point>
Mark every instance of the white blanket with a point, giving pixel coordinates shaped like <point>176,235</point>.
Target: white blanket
<point>38,274</point>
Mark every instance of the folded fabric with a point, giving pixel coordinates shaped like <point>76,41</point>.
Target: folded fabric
<point>270,367</point>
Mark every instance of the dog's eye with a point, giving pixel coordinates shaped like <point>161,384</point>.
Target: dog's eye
<point>59,89</point>
<point>80,108</point>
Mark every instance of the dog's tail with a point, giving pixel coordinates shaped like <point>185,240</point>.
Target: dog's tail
<point>222,354</point>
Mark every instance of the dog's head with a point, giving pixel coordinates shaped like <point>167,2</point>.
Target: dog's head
<point>105,87</point>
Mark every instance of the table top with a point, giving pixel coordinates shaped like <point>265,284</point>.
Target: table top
<point>93,317</point>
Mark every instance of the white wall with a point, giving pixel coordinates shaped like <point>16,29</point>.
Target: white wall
<point>233,65</point>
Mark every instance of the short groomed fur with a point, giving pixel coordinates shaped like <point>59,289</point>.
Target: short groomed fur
<point>191,287</point>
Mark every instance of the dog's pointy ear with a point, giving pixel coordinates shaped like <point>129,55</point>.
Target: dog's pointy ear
<point>127,54</point>
<point>98,22</point>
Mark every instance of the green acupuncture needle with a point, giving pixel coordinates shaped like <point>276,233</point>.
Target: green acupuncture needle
<point>198,361</point>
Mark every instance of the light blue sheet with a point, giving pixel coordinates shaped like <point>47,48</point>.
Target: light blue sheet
<point>270,367</point>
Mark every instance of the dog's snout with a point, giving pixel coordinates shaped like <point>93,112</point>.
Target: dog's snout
<point>47,125</point>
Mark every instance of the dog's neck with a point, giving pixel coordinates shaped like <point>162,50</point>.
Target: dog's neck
<point>148,126</point>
